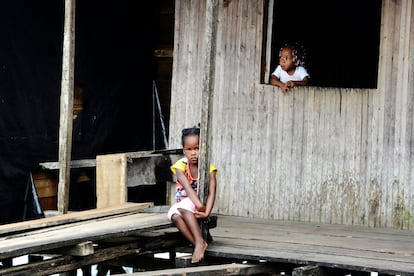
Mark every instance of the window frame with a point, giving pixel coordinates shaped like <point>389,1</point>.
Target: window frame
<point>267,42</point>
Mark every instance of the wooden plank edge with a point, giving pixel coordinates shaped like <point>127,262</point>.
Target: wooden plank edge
<point>72,217</point>
<point>79,250</point>
<point>222,269</point>
<point>83,163</point>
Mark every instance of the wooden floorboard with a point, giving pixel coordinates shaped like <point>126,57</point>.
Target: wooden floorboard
<point>387,251</point>
<point>74,233</point>
<point>8,229</point>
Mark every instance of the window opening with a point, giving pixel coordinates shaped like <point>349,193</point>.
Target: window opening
<point>341,39</point>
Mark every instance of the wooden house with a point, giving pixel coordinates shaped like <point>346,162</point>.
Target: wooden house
<point>340,155</point>
<point>338,151</point>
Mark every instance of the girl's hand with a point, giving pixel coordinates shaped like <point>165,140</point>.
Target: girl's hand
<point>200,215</point>
<point>290,84</point>
<point>284,88</point>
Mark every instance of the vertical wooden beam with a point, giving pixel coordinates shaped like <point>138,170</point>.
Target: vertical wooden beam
<point>207,103</point>
<point>207,97</point>
<point>66,106</point>
<point>269,49</point>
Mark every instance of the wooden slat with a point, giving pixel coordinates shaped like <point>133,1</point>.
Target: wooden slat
<point>90,163</point>
<point>81,249</point>
<point>71,234</point>
<point>224,269</point>
<point>111,179</point>
<point>84,163</point>
<point>72,217</point>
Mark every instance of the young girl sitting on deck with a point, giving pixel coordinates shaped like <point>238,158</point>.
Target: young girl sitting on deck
<point>188,207</point>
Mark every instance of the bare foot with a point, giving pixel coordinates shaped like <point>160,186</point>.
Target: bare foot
<point>198,253</point>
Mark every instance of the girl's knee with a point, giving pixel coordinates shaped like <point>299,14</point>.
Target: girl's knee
<point>174,217</point>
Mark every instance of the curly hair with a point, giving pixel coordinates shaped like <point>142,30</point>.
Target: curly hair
<point>298,53</point>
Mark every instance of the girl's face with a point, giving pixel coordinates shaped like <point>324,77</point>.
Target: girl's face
<point>286,60</point>
<point>191,148</point>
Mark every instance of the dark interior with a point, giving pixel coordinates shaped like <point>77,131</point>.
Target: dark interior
<point>341,39</point>
<point>114,63</point>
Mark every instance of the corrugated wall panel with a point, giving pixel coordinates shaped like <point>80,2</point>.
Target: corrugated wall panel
<point>315,154</point>
<point>187,68</point>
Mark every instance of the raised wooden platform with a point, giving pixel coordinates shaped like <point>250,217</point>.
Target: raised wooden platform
<point>84,238</point>
<point>385,251</point>
<point>90,237</point>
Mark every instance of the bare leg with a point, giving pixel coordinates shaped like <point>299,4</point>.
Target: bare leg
<point>182,226</point>
<point>192,225</point>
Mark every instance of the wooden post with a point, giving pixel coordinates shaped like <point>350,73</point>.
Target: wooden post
<point>310,270</point>
<point>66,106</point>
<point>206,102</point>
<point>268,40</point>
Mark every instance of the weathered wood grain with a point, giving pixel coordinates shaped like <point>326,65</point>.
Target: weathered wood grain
<point>8,229</point>
<point>387,251</point>
<point>320,154</point>
<point>66,106</point>
<point>223,269</point>
<point>70,234</point>
<point>111,179</point>
<point>63,263</point>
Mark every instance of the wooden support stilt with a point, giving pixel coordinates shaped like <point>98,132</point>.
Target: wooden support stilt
<point>183,261</point>
<point>8,262</point>
<point>306,271</point>
<point>68,273</point>
<point>86,270</point>
<point>35,258</point>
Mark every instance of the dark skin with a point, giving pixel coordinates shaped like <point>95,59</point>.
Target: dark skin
<point>187,223</point>
<point>286,61</point>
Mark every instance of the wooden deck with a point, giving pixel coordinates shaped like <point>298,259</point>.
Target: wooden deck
<point>90,237</point>
<point>385,251</point>
<point>80,239</point>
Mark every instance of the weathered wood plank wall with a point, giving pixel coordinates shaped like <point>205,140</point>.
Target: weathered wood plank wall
<point>317,154</point>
